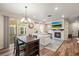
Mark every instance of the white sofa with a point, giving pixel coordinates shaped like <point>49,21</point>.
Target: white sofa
<point>44,39</point>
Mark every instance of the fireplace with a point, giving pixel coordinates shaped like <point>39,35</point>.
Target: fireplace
<point>57,34</point>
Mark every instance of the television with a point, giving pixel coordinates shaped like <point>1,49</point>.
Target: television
<point>56,24</point>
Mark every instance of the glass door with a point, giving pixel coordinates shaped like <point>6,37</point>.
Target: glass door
<point>12,32</point>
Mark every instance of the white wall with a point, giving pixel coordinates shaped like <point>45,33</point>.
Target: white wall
<point>66,26</point>
<point>74,27</point>
<point>1,31</point>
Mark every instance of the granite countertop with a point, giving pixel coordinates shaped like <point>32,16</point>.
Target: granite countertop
<point>25,39</point>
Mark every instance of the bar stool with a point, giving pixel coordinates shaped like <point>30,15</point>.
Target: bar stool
<point>18,47</point>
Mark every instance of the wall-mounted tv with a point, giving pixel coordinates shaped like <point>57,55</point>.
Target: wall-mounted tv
<point>56,24</point>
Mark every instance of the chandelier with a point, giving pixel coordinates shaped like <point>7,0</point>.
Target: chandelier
<point>25,19</point>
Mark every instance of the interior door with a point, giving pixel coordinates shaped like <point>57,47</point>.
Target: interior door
<point>78,33</point>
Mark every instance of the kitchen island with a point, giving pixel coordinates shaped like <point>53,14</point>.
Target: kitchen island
<point>31,45</point>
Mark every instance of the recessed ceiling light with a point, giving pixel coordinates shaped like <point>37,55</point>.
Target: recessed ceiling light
<point>56,8</point>
<point>44,19</point>
<point>62,16</point>
<point>34,16</point>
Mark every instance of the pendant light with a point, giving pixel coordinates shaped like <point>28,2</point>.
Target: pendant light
<point>24,19</point>
<point>25,13</point>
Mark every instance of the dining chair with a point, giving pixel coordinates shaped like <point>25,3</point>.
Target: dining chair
<point>18,47</point>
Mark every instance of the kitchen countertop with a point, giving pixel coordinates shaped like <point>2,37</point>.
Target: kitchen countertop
<point>26,39</point>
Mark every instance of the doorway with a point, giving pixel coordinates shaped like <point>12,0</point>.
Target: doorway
<point>78,33</point>
<point>13,29</point>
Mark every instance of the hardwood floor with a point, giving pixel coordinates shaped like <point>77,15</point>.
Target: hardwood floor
<point>9,52</point>
<point>6,52</point>
<point>68,48</point>
<point>46,52</point>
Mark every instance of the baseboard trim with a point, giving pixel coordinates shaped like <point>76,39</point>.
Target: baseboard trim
<point>2,49</point>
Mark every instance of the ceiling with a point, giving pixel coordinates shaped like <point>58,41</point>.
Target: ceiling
<point>41,11</point>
